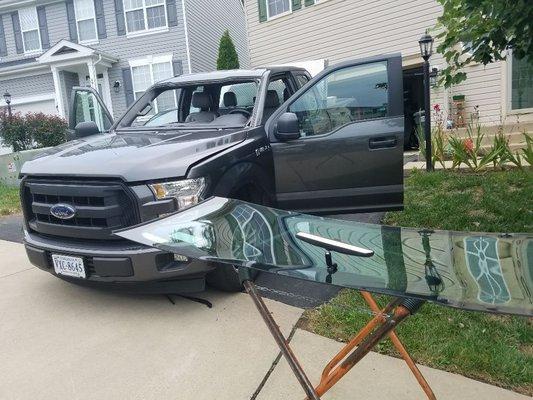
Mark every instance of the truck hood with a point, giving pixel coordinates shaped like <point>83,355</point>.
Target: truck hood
<point>133,156</point>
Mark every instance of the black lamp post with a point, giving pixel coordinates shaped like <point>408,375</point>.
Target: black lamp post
<point>426,49</point>
<point>7,98</point>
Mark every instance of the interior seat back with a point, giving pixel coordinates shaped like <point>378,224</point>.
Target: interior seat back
<point>204,102</point>
<point>271,104</point>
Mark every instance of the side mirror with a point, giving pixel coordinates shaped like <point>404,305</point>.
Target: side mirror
<point>288,127</point>
<point>84,129</point>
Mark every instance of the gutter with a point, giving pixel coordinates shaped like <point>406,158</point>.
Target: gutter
<point>17,69</point>
<point>187,45</point>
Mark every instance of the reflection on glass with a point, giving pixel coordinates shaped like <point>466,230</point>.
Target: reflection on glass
<point>433,278</point>
<point>484,265</point>
<point>489,272</point>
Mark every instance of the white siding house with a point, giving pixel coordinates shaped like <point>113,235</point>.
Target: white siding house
<point>289,31</point>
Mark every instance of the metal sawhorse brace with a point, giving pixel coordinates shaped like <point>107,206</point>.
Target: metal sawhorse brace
<point>382,325</point>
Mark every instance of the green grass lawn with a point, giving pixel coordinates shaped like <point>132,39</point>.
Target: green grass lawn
<point>494,349</point>
<point>9,200</point>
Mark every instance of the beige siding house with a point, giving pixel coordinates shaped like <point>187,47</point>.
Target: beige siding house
<point>291,31</point>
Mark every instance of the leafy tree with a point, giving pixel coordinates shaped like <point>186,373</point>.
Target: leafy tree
<point>481,31</point>
<point>227,55</point>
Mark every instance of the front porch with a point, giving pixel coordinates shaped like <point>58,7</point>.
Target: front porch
<point>72,65</point>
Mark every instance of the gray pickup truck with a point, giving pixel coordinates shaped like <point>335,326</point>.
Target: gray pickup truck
<point>273,136</point>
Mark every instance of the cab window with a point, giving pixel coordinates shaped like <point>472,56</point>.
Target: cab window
<point>278,92</point>
<point>239,95</point>
<point>344,96</point>
<point>301,79</point>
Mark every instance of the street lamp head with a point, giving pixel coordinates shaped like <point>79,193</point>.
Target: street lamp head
<point>426,46</point>
<point>7,97</point>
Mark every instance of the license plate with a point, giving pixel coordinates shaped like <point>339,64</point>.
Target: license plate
<point>69,266</point>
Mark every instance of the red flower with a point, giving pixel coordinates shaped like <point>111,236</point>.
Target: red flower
<point>436,108</point>
<point>469,144</point>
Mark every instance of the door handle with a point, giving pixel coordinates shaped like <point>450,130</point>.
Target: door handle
<point>382,143</point>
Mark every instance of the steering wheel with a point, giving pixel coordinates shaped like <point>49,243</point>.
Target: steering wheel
<point>246,113</point>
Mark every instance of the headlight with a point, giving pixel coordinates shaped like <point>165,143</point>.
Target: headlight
<point>187,192</point>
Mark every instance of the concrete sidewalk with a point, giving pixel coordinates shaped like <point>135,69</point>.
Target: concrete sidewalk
<point>61,341</point>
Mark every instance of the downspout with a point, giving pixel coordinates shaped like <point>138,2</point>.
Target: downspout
<point>187,46</point>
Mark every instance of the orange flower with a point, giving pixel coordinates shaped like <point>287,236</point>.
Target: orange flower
<point>469,144</point>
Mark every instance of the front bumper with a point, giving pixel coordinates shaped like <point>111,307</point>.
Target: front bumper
<point>121,265</point>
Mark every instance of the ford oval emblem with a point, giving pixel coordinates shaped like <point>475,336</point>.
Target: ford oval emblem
<point>63,211</point>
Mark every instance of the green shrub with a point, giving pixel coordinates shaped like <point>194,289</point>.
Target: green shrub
<point>227,55</point>
<point>528,150</point>
<point>46,130</point>
<point>14,133</point>
<point>33,130</point>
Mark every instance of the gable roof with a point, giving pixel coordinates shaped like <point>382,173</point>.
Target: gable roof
<point>65,50</point>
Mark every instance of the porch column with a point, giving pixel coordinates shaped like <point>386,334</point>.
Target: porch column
<point>92,75</point>
<point>59,92</point>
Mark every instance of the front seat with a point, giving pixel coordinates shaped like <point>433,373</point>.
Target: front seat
<point>230,100</point>
<point>271,104</point>
<point>202,101</point>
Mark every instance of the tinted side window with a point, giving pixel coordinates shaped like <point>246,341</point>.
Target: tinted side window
<point>301,80</point>
<point>281,87</point>
<point>344,96</point>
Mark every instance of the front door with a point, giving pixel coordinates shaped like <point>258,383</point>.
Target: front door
<point>349,156</point>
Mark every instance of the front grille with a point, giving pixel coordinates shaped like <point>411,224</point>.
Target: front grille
<point>100,208</point>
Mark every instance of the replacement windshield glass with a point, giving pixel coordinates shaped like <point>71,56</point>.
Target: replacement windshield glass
<point>477,271</point>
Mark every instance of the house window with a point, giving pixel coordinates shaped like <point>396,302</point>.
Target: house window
<point>278,7</point>
<point>29,26</point>
<point>521,84</point>
<point>142,15</point>
<point>85,20</point>
<point>145,74</point>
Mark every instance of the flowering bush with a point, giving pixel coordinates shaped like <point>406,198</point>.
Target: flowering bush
<point>470,150</point>
<point>46,130</point>
<point>13,132</point>
<point>33,130</point>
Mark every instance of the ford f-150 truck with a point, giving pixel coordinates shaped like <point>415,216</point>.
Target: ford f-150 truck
<point>274,136</point>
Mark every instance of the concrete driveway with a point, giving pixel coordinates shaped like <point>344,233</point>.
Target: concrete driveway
<point>61,341</point>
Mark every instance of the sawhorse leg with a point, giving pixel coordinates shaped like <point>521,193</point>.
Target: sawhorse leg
<point>379,318</point>
<point>281,341</point>
<point>368,338</point>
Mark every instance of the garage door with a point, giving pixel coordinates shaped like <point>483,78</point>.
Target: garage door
<point>47,106</point>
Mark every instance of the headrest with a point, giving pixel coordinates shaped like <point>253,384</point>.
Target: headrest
<point>201,100</point>
<point>272,99</point>
<point>286,94</point>
<point>230,99</point>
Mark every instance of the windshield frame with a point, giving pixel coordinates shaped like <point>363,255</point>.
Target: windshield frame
<point>123,124</point>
